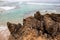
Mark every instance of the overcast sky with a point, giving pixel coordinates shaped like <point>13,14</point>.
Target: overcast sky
<point>34,0</point>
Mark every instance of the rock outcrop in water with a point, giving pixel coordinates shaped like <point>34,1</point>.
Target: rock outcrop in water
<point>37,27</point>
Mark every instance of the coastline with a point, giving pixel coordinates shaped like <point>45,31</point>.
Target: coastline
<point>4,30</point>
<point>20,20</point>
<point>42,13</point>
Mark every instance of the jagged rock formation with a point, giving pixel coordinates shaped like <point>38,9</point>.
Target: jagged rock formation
<point>13,28</point>
<point>50,25</point>
<point>40,26</point>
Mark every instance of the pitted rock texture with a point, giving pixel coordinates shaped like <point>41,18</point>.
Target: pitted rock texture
<point>37,27</point>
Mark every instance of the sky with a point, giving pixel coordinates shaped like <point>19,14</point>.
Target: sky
<point>34,0</point>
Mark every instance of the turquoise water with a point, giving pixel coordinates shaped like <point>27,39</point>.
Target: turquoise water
<point>17,15</point>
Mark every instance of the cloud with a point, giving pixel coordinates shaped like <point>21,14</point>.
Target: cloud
<point>48,0</point>
<point>17,0</point>
<point>35,0</point>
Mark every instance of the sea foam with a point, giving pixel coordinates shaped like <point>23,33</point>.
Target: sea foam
<point>4,33</point>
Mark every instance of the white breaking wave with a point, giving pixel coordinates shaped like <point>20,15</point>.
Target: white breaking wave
<point>7,8</point>
<point>42,3</point>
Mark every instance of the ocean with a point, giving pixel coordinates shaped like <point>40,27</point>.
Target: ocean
<point>17,15</point>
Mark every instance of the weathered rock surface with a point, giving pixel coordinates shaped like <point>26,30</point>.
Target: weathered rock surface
<point>51,26</point>
<point>40,26</point>
<point>55,17</point>
<point>13,28</point>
